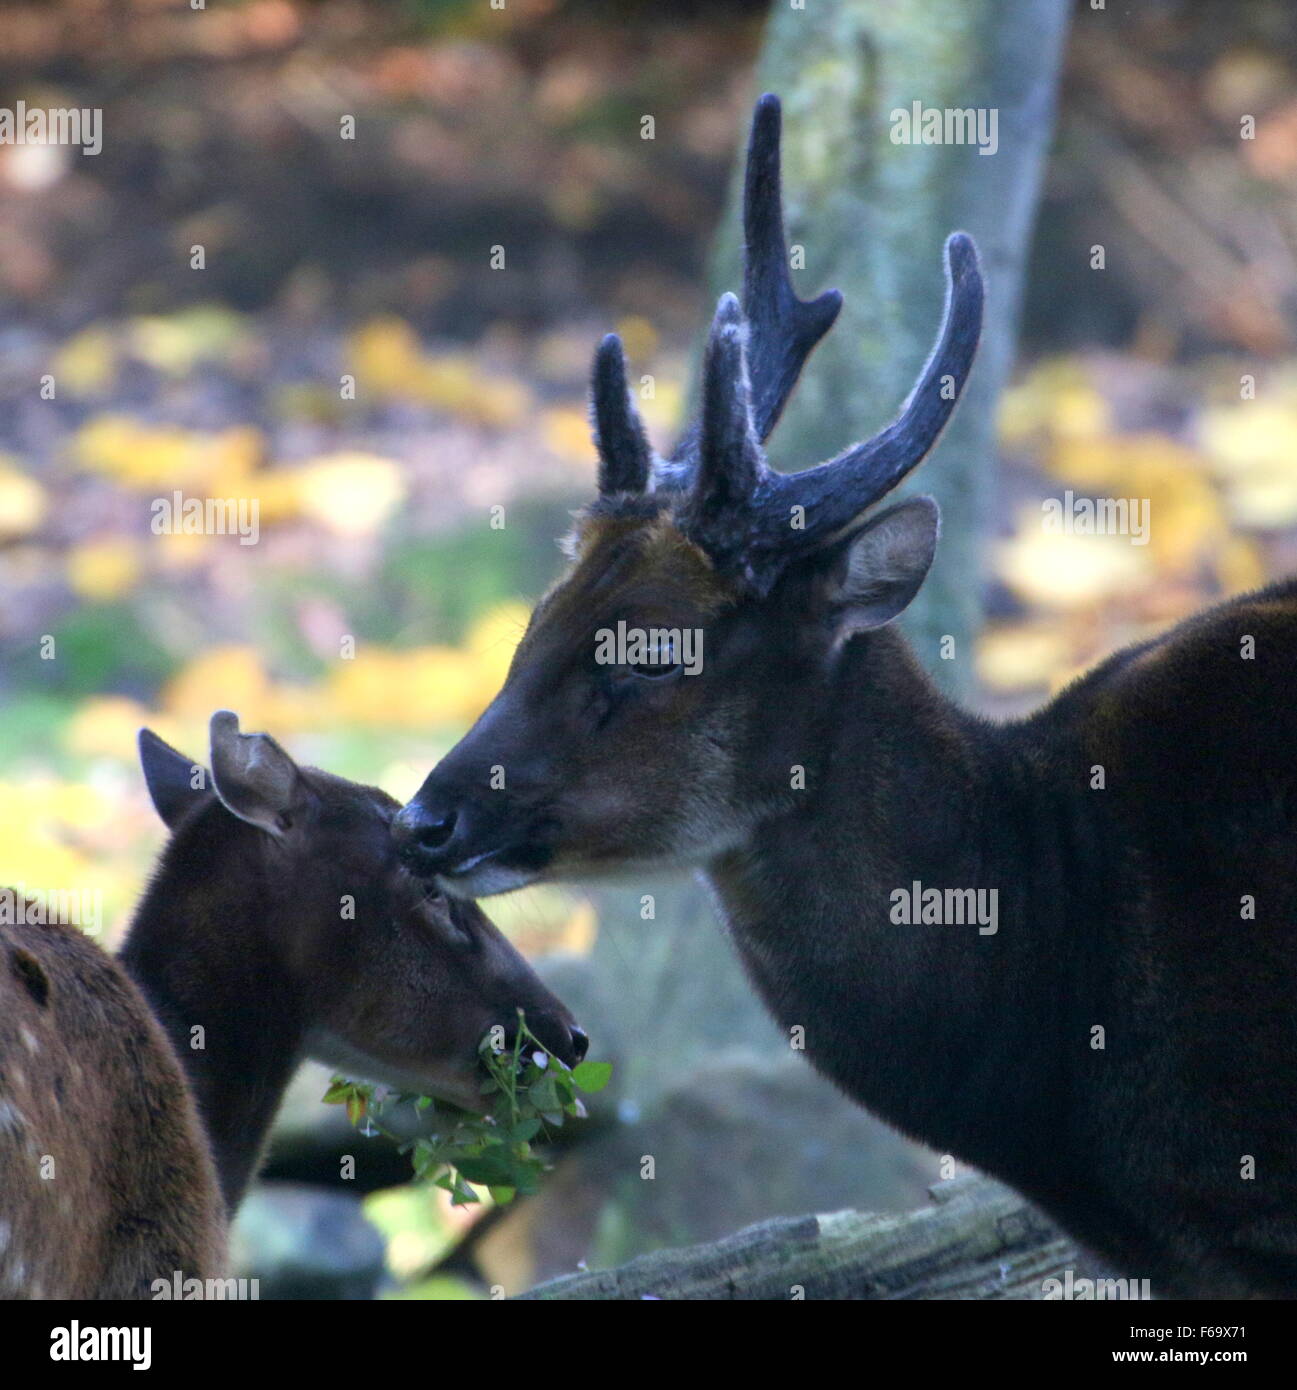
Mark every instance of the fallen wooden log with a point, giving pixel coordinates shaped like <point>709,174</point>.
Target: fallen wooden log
<point>978,1240</point>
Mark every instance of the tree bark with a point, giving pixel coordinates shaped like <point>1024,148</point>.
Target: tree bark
<point>978,1240</point>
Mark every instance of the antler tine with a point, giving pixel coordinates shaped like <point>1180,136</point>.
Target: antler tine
<point>836,492</point>
<point>785,329</point>
<point>729,459</point>
<point>625,455</point>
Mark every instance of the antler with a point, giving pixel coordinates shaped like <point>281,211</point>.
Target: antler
<point>624,453</point>
<point>833,494</point>
<point>734,505</point>
<point>784,329</point>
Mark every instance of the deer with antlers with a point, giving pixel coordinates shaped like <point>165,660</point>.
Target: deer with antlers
<point>1122,1045</point>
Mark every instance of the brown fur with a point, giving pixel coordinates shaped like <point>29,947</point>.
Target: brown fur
<point>106,1182</point>
<point>1118,908</point>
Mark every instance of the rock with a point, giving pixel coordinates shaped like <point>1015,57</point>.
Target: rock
<point>305,1242</point>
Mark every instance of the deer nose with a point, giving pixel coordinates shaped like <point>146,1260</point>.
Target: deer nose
<point>565,1040</point>
<point>422,834</point>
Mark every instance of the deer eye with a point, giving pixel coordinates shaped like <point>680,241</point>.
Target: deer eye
<point>658,662</point>
<point>653,670</point>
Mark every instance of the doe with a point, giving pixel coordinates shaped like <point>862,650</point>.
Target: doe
<point>136,1093</point>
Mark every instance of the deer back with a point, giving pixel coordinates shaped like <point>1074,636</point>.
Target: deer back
<point>106,1183</point>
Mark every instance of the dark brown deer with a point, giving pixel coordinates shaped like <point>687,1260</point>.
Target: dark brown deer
<point>136,1093</point>
<point>1118,1037</point>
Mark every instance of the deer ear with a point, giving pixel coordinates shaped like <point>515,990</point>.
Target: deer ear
<point>882,566</point>
<point>253,776</point>
<point>176,784</point>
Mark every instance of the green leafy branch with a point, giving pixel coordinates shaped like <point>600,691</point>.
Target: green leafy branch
<point>531,1094</point>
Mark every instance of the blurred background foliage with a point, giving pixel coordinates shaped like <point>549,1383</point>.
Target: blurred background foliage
<point>380,517</point>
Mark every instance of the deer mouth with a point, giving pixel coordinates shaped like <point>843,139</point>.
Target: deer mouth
<point>458,1083</point>
<point>499,870</point>
<point>468,852</point>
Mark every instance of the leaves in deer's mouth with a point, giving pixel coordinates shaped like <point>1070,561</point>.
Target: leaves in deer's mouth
<point>531,1092</point>
<point>592,1076</point>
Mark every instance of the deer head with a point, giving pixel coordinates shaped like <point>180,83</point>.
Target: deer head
<point>665,685</point>
<point>294,870</point>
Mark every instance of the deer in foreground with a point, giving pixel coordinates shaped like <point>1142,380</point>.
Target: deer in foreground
<point>1122,1046</point>
<point>136,1093</point>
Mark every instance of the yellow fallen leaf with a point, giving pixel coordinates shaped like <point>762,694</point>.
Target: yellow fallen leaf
<point>224,677</point>
<point>23,501</point>
<point>85,365</point>
<point>1241,566</point>
<point>1264,499</point>
<point>104,570</point>
<point>1021,656</point>
<point>1057,399</point>
<point>176,343</point>
<point>350,494</point>
<point>639,337</point>
<point>566,432</point>
<point>493,638</point>
<point>180,550</point>
<point>1059,570</point>
<point>106,726</point>
<point>384,356</point>
<point>164,457</point>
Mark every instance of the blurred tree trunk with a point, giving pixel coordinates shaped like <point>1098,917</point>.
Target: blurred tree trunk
<point>872,216</point>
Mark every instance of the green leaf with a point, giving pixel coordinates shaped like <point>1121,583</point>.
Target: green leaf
<point>463,1196</point>
<point>592,1076</point>
<point>485,1169</point>
<point>544,1095</point>
<point>502,1196</point>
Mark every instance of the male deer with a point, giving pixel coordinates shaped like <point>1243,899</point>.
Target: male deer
<point>1121,1044</point>
<point>136,1094</point>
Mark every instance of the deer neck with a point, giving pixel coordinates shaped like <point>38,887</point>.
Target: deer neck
<point>199,949</point>
<point>934,1025</point>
